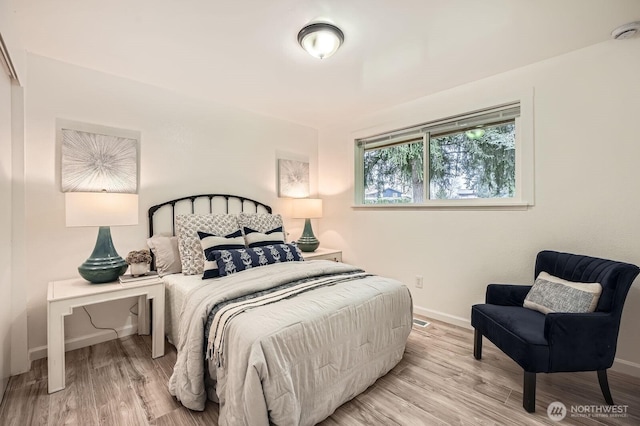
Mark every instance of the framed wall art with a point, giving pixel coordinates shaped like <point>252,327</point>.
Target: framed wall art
<point>293,178</point>
<point>96,158</point>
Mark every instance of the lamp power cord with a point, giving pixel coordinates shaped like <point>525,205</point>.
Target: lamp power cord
<point>109,328</point>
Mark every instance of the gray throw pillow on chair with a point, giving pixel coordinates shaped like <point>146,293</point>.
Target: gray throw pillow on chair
<point>553,294</point>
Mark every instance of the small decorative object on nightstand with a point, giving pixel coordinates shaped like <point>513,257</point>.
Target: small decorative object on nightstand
<point>324,254</point>
<point>307,209</point>
<point>139,261</point>
<point>128,278</point>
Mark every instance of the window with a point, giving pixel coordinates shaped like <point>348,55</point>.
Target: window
<point>471,157</point>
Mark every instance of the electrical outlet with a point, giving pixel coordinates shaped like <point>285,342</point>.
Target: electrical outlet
<point>418,281</point>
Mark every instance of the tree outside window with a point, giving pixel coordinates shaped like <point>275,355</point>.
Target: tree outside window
<point>476,161</point>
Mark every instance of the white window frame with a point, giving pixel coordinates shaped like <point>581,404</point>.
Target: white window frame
<point>524,162</point>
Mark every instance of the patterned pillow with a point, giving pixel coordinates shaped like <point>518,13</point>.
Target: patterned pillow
<point>210,242</point>
<point>553,294</point>
<point>261,222</point>
<point>255,238</point>
<point>232,261</point>
<point>187,227</point>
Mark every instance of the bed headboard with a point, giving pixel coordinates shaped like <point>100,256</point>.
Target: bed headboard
<point>205,204</point>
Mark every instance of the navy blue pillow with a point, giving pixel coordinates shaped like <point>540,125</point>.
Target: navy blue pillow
<point>236,260</point>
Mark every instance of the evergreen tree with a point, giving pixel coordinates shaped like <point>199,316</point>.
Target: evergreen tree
<point>483,165</point>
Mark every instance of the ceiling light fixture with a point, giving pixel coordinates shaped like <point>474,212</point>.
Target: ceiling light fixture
<point>320,39</point>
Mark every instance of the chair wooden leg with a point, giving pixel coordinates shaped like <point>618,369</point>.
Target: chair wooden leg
<point>529,392</point>
<point>477,344</point>
<point>604,386</point>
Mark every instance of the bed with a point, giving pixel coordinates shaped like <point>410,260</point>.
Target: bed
<point>282,342</point>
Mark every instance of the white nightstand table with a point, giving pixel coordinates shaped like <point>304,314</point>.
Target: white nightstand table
<point>65,295</point>
<point>322,253</point>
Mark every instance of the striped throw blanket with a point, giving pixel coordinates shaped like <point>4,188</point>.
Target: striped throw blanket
<point>221,318</point>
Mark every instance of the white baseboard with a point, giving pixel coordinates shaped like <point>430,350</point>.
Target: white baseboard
<point>441,316</point>
<point>619,365</point>
<point>86,340</point>
<point>627,367</point>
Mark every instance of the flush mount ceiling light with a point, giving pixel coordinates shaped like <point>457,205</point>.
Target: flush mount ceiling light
<point>626,31</point>
<point>320,39</point>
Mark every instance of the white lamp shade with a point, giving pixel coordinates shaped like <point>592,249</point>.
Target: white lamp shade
<point>100,209</point>
<point>307,208</point>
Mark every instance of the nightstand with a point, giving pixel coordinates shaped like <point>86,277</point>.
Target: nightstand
<point>322,253</point>
<point>65,295</point>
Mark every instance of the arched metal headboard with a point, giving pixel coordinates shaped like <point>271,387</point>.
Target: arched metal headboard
<point>243,203</point>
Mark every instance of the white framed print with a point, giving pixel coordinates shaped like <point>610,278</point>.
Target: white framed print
<point>293,178</point>
<point>96,158</point>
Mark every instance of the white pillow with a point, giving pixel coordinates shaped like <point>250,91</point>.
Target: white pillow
<point>553,294</point>
<point>167,255</point>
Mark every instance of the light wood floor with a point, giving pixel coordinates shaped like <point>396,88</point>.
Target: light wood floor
<point>437,382</point>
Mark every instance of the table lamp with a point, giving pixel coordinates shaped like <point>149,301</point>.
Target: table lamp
<point>307,209</point>
<point>101,209</point>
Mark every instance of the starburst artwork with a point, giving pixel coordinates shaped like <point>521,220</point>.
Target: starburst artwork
<point>293,178</point>
<point>94,162</point>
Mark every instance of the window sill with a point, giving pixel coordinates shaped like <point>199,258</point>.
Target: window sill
<point>475,204</point>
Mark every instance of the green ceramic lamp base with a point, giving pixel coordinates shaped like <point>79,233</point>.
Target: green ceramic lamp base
<point>308,242</point>
<point>104,265</point>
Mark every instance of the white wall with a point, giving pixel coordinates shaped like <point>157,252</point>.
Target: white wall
<point>12,302</point>
<point>19,343</point>
<point>587,106</point>
<point>187,147</point>
<point>5,229</point>
<point>11,39</point>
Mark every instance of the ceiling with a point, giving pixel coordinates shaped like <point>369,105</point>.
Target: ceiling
<point>244,53</point>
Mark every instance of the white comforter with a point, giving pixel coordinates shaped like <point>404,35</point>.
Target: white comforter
<point>295,361</point>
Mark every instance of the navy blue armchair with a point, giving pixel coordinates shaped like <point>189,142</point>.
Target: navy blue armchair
<point>557,342</point>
